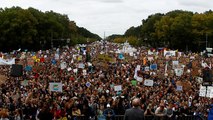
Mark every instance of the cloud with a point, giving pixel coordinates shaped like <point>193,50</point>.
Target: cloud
<point>110,16</point>
<point>110,1</point>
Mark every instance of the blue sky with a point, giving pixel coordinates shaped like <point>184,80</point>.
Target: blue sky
<point>110,16</point>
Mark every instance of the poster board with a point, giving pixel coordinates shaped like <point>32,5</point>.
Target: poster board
<point>117,88</point>
<point>55,87</point>
<point>148,82</point>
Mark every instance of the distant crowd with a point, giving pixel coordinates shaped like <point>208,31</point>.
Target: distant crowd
<point>99,83</point>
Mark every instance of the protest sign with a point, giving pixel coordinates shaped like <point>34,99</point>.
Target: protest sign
<point>79,57</point>
<point>146,68</point>
<point>179,88</point>
<point>148,82</point>
<point>134,82</point>
<point>179,72</point>
<point>118,88</point>
<point>138,67</point>
<point>69,69</point>
<point>153,67</point>
<point>202,92</point>
<point>75,70</point>
<point>150,58</point>
<point>7,62</point>
<point>208,92</point>
<point>120,56</point>
<point>81,65</point>
<point>199,80</point>
<point>169,53</point>
<point>84,72</point>
<point>53,61</point>
<point>57,56</point>
<point>139,79</point>
<point>55,87</point>
<point>88,84</point>
<point>150,52</point>
<point>175,64</point>
<point>24,82</point>
<point>63,65</point>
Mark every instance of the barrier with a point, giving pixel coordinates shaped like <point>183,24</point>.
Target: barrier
<point>147,117</point>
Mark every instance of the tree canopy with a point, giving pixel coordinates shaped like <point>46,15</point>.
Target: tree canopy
<point>33,30</point>
<point>176,29</point>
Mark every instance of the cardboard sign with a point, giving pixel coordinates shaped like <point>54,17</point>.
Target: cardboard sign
<point>55,87</point>
<point>148,82</point>
<point>118,88</point>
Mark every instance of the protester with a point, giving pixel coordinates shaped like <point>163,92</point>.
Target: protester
<point>70,82</point>
<point>134,113</point>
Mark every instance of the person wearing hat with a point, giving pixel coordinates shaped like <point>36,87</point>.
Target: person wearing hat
<point>134,113</point>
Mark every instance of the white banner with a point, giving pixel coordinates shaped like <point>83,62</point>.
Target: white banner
<point>148,82</point>
<point>55,87</point>
<point>169,53</point>
<point>7,62</point>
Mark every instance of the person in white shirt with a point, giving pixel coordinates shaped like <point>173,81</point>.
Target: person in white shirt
<point>161,111</point>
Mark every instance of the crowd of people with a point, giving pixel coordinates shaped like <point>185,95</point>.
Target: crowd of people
<point>100,83</point>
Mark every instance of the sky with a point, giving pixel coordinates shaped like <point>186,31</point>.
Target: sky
<point>107,17</point>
